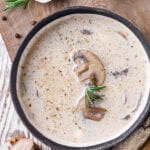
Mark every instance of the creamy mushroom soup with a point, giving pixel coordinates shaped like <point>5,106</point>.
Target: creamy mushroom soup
<point>49,89</point>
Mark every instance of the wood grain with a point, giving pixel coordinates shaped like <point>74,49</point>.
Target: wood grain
<point>19,19</point>
<point>136,140</point>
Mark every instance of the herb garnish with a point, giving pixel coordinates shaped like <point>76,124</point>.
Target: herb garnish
<point>91,94</point>
<point>13,3</point>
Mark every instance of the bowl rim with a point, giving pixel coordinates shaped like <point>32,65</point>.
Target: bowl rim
<point>34,30</point>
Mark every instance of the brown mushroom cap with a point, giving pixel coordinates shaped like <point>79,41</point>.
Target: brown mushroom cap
<point>88,64</point>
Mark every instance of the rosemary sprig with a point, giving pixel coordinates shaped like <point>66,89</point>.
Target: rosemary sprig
<point>13,3</point>
<point>91,94</point>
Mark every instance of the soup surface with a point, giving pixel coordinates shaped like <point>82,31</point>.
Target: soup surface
<point>48,89</point>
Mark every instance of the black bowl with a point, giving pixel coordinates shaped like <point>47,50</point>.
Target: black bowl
<point>40,25</point>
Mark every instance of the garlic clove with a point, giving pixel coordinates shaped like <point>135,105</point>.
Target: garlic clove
<point>43,1</point>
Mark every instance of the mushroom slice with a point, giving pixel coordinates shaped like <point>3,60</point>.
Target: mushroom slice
<point>94,113</point>
<point>95,66</point>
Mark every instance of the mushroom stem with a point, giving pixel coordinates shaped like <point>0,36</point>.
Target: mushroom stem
<point>81,68</point>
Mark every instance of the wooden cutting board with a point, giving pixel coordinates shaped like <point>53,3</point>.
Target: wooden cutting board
<point>20,20</point>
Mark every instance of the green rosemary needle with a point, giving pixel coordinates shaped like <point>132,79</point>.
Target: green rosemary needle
<point>91,94</point>
<point>13,3</point>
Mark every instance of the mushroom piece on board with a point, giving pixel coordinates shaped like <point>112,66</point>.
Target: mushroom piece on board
<point>22,144</point>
